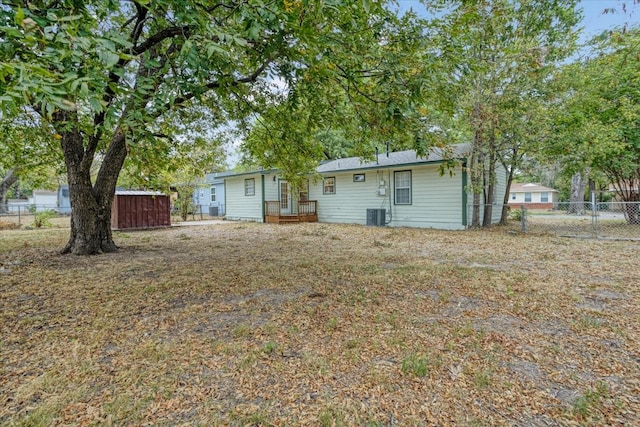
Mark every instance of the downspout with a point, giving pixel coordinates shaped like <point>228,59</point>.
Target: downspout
<point>390,201</point>
<point>264,218</point>
<point>464,194</point>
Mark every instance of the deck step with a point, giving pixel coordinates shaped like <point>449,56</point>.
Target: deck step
<point>288,219</point>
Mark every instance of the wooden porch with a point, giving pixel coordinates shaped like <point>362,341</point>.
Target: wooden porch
<point>306,211</point>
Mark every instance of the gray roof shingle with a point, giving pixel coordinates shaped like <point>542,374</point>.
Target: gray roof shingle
<point>397,158</point>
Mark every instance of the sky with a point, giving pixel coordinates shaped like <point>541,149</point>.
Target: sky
<point>595,20</point>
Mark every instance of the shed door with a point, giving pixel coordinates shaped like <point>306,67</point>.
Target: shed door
<point>285,198</point>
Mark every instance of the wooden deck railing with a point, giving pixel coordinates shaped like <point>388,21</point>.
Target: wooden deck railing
<point>307,212</point>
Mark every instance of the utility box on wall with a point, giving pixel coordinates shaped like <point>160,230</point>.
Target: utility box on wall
<point>140,209</point>
<point>376,217</point>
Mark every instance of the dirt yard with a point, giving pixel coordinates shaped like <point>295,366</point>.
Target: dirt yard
<point>320,325</point>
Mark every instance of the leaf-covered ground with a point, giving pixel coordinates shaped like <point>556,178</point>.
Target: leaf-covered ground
<point>312,324</point>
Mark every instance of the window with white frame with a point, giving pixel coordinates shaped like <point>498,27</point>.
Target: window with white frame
<point>213,194</point>
<point>250,187</point>
<point>513,196</point>
<point>544,197</point>
<point>329,185</point>
<point>527,197</point>
<point>402,187</point>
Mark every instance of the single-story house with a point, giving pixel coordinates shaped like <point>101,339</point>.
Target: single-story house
<point>532,196</point>
<point>209,197</point>
<point>396,189</point>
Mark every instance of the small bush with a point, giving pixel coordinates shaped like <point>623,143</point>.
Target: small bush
<point>42,219</point>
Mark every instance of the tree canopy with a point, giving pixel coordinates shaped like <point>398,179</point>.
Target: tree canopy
<point>107,76</point>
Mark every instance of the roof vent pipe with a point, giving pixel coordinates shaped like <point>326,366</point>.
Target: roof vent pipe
<point>387,148</point>
<point>377,163</point>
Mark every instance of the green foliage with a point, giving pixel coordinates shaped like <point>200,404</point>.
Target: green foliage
<point>598,127</point>
<point>499,56</point>
<point>42,219</point>
<point>415,365</point>
<point>590,401</point>
<point>154,86</point>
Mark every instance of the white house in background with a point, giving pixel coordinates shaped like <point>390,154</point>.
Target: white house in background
<point>396,189</point>
<point>44,200</point>
<point>209,197</point>
<point>533,196</point>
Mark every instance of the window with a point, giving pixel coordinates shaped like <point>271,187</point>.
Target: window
<point>402,187</point>
<point>358,177</point>
<point>213,194</point>
<point>250,187</point>
<point>329,186</point>
<point>527,197</point>
<point>513,196</point>
<point>544,197</point>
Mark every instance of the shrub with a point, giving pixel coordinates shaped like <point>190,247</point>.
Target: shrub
<point>41,219</point>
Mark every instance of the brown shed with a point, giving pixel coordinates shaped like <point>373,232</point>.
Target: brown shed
<point>140,209</point>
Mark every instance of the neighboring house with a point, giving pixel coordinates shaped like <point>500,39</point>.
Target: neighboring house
<point>397,189</point>
<point>209,197</point>
<point>44,200</point>
<point>533,196</point>
<point>64,201</point>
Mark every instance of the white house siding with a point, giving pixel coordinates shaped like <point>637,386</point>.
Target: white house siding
<point>239,206</point>
<point>436,201</point>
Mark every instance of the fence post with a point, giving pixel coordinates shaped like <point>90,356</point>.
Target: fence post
<point>594,212</point>
<point>19,218</point>
<point>523,218</point>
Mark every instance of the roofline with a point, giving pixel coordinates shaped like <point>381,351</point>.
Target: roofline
<point>393,166</point>
<point>368,167</point>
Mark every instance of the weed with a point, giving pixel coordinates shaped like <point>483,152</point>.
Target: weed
<point>587,322</point>
<point>43,219</point>
<point>269,347</point>
<point>590,400</point>
<point>331,417</point>
<point>241,330</point>
<point>416,365</point>
<point>381,244</point>
<point>482,379</point>
<point>332,324</point>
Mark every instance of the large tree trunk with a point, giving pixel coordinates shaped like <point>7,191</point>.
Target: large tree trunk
<point>489,186</point>
<point>10,178</point>
<point>578,187</point>
<point>90,203</point>
<point>476,181</point>
<point>505,201</point>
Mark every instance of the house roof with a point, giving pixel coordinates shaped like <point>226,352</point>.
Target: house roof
<point>138,193</point>
<point>397,158</point>
<point>216,177</point>
<point>530,188</point>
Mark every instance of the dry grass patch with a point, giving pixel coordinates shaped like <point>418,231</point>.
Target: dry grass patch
<point>315,324</point>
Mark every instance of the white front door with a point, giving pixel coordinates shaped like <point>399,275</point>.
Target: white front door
<point>285,198</point>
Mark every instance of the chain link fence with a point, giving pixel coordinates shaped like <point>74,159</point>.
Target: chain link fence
<point>32,215</point>
<point>607,220</point>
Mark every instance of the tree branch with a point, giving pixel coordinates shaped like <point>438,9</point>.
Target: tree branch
<point>157,38</point>
<point>251,78</point>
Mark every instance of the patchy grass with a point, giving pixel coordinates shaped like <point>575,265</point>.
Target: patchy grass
<point>316,324</point>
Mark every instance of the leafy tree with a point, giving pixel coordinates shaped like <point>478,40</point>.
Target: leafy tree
<point>599,128</point>
<point>374,73</point>
<point>26,154</point>
<point>501,54</point>
<point>105,74</point>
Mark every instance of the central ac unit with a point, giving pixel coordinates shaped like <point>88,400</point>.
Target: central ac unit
<point>376,217</point>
